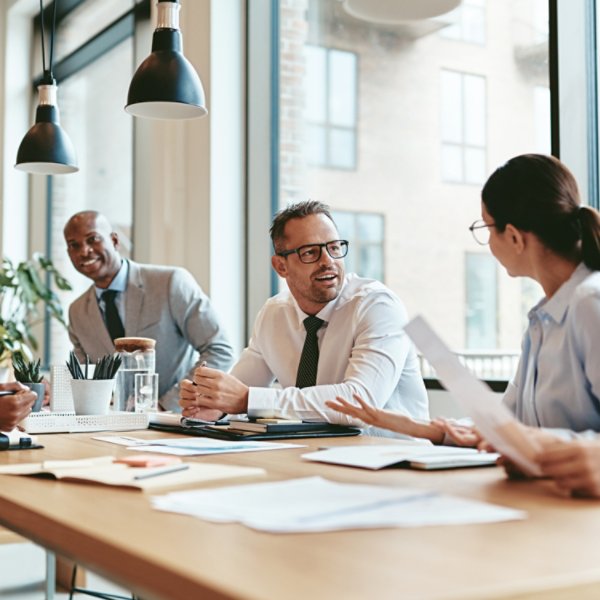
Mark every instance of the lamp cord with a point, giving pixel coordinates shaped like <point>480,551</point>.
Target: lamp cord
<point>48,73</point>
<point>43,44</point>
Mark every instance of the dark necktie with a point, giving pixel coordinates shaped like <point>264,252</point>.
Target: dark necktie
<point>111,315</point>
<point>309,359</point>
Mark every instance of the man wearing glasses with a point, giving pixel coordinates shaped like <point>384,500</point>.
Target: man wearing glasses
<point>330,334</point>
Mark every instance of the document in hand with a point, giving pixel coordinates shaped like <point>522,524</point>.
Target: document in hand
<point>102,470</point>
<point>495,422</point>
<point>416,456</point>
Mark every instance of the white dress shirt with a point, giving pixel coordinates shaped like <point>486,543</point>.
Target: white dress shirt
<point>362,349</point>
<point>557,384</point>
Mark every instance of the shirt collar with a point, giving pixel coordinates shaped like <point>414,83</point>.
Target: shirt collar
<point>119,282</point>
<point>324,313</point>
<point>556,307</point>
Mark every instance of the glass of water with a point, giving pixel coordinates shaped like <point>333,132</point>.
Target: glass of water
<point>146,392</point>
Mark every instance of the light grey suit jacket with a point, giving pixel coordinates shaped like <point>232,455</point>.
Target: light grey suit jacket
<point>165,304</point>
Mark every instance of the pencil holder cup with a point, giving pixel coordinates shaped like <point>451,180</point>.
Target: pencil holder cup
<point>92,396</point>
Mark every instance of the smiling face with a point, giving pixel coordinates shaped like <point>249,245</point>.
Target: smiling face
<point>312,285</point>
<point>93,247</point>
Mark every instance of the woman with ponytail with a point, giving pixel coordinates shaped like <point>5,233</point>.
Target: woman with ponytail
<point>538,228</point>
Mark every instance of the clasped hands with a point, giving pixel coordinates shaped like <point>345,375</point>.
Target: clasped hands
<point>211,394</point>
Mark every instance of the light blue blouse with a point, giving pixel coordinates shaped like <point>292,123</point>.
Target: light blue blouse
<point>558,379</point>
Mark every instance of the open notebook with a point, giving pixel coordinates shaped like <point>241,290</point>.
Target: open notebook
<point>102,470</point>
<point>415,456</point>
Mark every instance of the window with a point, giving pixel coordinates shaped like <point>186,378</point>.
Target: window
<point>93,81</point>
<point>463,123</point>
<point>330,109</point>
<point>482,306</point>
<point>467,23</point>
<point>435,119</point>
<point>364,231</point>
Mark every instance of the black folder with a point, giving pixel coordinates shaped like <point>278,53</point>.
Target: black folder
<point>222,432</point>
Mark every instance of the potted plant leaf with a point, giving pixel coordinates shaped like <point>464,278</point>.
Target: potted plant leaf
<point>92,395</point>
<point>28,373</point>
<point>26,296</point>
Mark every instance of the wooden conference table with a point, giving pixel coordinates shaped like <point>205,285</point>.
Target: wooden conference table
<point>554,554</point>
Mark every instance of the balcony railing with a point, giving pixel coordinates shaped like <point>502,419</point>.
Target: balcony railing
<point>496,368</point>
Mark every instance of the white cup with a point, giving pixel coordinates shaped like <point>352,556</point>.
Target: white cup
<point>92,396</point>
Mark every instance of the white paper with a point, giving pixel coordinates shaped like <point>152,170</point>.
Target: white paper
<point>193,446</point>
<point>492,418</point>
<point>314,504</point>
<point>378,457</point>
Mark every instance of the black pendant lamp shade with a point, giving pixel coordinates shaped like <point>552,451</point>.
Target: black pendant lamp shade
<point>46,148</point>
<point>166,85</point>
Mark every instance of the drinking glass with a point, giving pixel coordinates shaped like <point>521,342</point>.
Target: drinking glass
<point>146,392</point>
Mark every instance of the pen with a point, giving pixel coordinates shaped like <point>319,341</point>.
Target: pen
<point>162,472</point>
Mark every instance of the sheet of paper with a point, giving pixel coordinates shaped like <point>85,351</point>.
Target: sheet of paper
<point>315,504</point>
<point>378,457</point>
<point>492,418</point>
<point>193,446</point>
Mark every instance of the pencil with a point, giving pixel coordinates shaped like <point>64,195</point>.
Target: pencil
<point>162,472</point>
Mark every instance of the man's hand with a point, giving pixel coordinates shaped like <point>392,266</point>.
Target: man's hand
<point>17,406</point>
<point>212,393</point>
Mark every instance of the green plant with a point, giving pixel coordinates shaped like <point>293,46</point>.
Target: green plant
<point>106,366</point>
<point>25,293</point>
<point>26,371</point>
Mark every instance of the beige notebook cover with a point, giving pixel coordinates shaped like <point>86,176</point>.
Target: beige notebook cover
<point>102,470</point>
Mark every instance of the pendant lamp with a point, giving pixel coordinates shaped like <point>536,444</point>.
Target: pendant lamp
<point>46,148</point>
<point>166,85</point>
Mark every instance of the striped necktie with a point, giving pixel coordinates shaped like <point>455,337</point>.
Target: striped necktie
<point>309,359</point>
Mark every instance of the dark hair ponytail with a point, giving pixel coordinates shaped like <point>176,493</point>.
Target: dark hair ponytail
<point>537,193</point>
<point>589,221</point>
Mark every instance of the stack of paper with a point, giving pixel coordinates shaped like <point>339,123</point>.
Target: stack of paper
<point>315,504</point>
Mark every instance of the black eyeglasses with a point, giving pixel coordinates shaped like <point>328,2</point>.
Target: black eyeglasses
<point>481,231</point>
<point>310,253</point>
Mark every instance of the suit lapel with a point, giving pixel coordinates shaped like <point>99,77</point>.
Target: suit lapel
<point>96,322</point>
<point>134,299</point>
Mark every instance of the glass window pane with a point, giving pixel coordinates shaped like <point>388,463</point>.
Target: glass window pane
<point>342,150</point>
<point>316,144</point>
<point>541,113</point>
<point>85,21</point>
<point>424,147</point>
<point>92,113</point>
<point>452,163</point>
<point>474,165</point>
<point>452,114</point>
<point>370,228</point>
<point>315,84</point>
<point>481,301</point>
<point>345,222</point>
<point>371,262</point>
<point>474,110</point>
<point>342,81</point>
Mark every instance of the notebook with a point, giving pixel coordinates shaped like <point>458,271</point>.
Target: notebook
<point>415,456</point>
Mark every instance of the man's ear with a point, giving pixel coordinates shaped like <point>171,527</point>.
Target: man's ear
<point>516,238</point>
<point>279,264</point>
<point>115,240</point>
